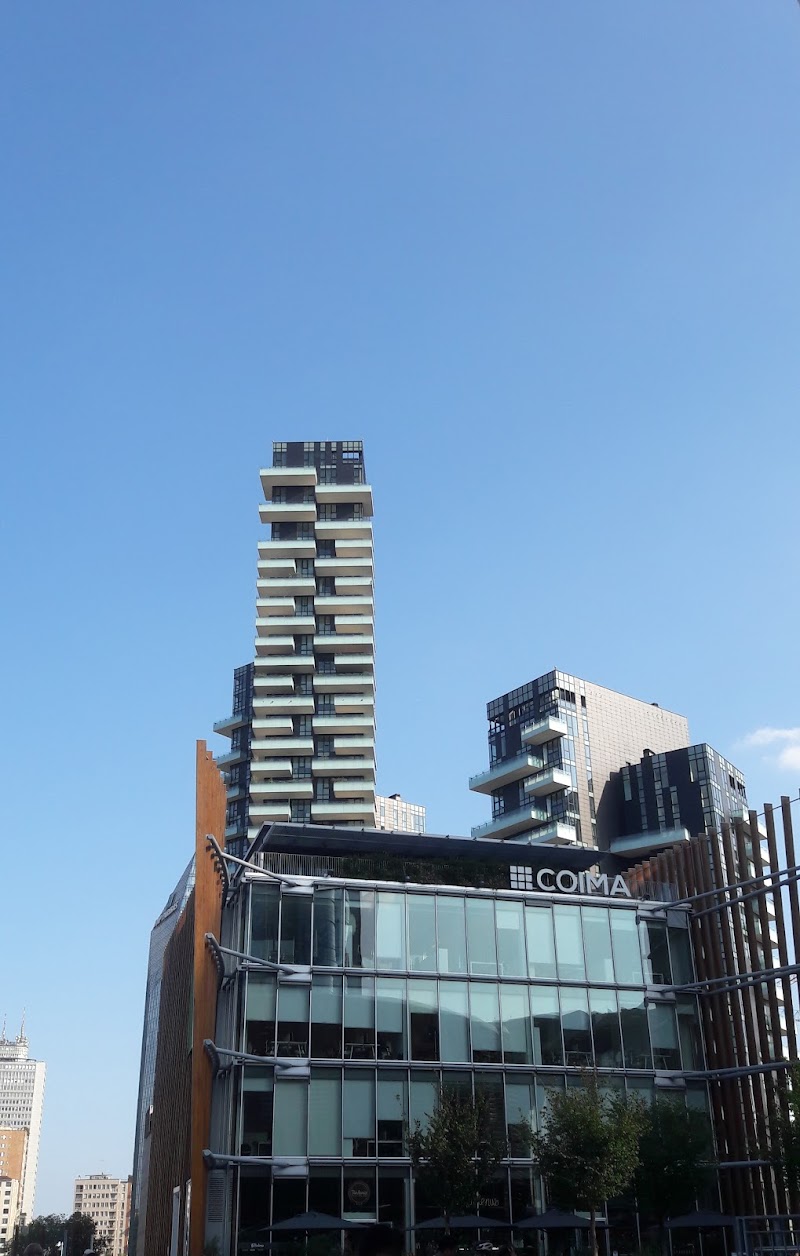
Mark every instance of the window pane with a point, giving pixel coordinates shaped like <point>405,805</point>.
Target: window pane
<point>657,968</point>
<point>545,1086</point>
<point>392,1044</point>
<point>452,934</point>
<point>291,1114</point>
<point>264,921</point>
<point>359,1018</point>
<point>681,954</point>
<point>424,1095</point>
<point>490,1087</point>
<point>359,929</point>
<point>520,1113</point>
<point>326,1018</point>
<point>664,1036</point>
<point>481,937</point>
<point>423,1015</point>
<point>292,1021</point>
<point>485,1024</point>
<point>635,1038</point>
<point>328,917</point>
<point>422,932</point>
<point>627,954</point>
<point>605,1028</point>
<point>577,1031</point>
<point>597,937</point>
<point>547,1047</point>
<point>358,1121</point>
<point>569,943</point>
<point>260,1014</point>
<point>541,944</point>
<point>392,1112</point>
<point>256,1139</point>
<point>511,940</point>
<point>325,1113</point>
<point>391,932</point>
<point>517,1040</point>
<point>689,1033</point>
<point>454,1013</point>
<point>295,928</point>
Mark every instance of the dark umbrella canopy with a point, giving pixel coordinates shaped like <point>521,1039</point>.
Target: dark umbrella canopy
<point>555,1219</point>
<point>315,1221</point>
<point>699,1221</point>
<point>463,1223</point>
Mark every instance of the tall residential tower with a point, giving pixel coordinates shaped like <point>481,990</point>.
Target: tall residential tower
<point>303,725</point>
<point>21,1104</point>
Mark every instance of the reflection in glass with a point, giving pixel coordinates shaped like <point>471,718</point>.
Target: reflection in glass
<point>359,929</point>
<point>485,1024</point>
<point>325,1112</point>
<point>655,952</point>
<point>490,1087</point>
<point>597,941</point>
<point>424,1094</point>
<point>260,1014</point>
<point>481,937</point>
<point>545,1086</point>
<point>256,1136</point>
<point>664,1036</point>
<point>547,1048</point>
<point>391,931</point>
<point>392,1111</point>
<point>292,1037</point>
<point>326,1017</point>
<point>359,1018</point>
<point>454,1015</point>
<point>569,943</point>
<point>576,1027</point>
<point>605,1028</point>
<point>291,1118</point>
<point>520,1113</point>
<point>358,1107</point>
<point>627,954</point>
<point>295,928</point>
<point>541,943</point>
<point>511,939</point>
<point>422,932</point>
<point>689,1033</point>
<point>328,917</point>
<point>681,955</point>
<point>392,1043</point>
<point>516,1016</point>
<point>424,1020</point>
<point>452,934</point>
<point>635,1038</point>
<point>264,921</point>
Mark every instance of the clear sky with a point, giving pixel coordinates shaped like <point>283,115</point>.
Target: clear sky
<point>541,256</point>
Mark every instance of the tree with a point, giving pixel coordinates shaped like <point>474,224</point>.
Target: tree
<point>676,1160</point>
<point>80,1233</point>
<point>456,1155</point>
<point>588,1151</point>
<point>786,1132</point>
<point>46,1231</point>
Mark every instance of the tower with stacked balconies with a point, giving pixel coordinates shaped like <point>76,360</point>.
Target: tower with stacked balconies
<point>303,722</point>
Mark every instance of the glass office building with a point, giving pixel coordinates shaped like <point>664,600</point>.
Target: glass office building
<point>356,984</point>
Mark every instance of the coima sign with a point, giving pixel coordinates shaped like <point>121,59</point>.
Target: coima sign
<point>566,882</point>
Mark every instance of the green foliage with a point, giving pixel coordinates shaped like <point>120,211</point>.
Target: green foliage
<point>456,1156</point>
<point>588,1151</point>
<point>786,1131</point>
<point>49,1231</point>
<point>676,1159</point>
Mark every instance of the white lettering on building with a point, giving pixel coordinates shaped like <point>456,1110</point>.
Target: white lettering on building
<point>566,882</point>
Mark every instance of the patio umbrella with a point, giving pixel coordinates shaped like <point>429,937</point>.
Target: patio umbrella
<point>699,1221</point>
<point>315,1221</point>
<point>555,1219</point>
<point>463,1223</point>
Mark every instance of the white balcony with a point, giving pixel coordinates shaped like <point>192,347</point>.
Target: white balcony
<point>273,726</point>
<point>347,586</point>
<point>344,682</point>
<point>282,624</point>
<point>517,821</point>
<point>350,663</point>
<point>287,549</point>
<point>289,477</point>
<point>287,704</point>
<point>345,565</point>
<point>279,789</point>
<point>268,566</point>
<point>285,586</point>
<point>358,643</point>
<point>333,811</point>
<point>343,723</point>
<point>344,604</point>
<point>267,683</point>
<point>268,606</point>
<point>540,731</point>
<point>339,766</point>
<point>343,530</point>
<point>647,843</point>
<point>557,833</point>
<point>275,645</point>
<point>272,746</point>
<point>353,745</point>
<point>354,704</point>
<point>237,720</point>
<point>348,546</point>
<point>276,812</point>
<point>550,781</point>
<point>504,773</point>
<point>356,789</point>
<point>269,767</point>
<point>286,660</point>
<point>360,494</point>
<point>348,624</point>
<point>287,512</point>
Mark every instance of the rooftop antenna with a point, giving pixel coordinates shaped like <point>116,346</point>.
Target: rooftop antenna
<point>3,1034</point>
<point>22,1026</point>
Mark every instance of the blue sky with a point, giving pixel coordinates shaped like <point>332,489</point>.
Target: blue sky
<point>541,257</point>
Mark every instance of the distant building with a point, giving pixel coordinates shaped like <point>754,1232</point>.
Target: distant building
<point>107,1200</point>
<point>397,814</point>
<point>9,1210</point>
<point>13,1146</point>
<point>159,937</point>
<point>21,1103</point>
